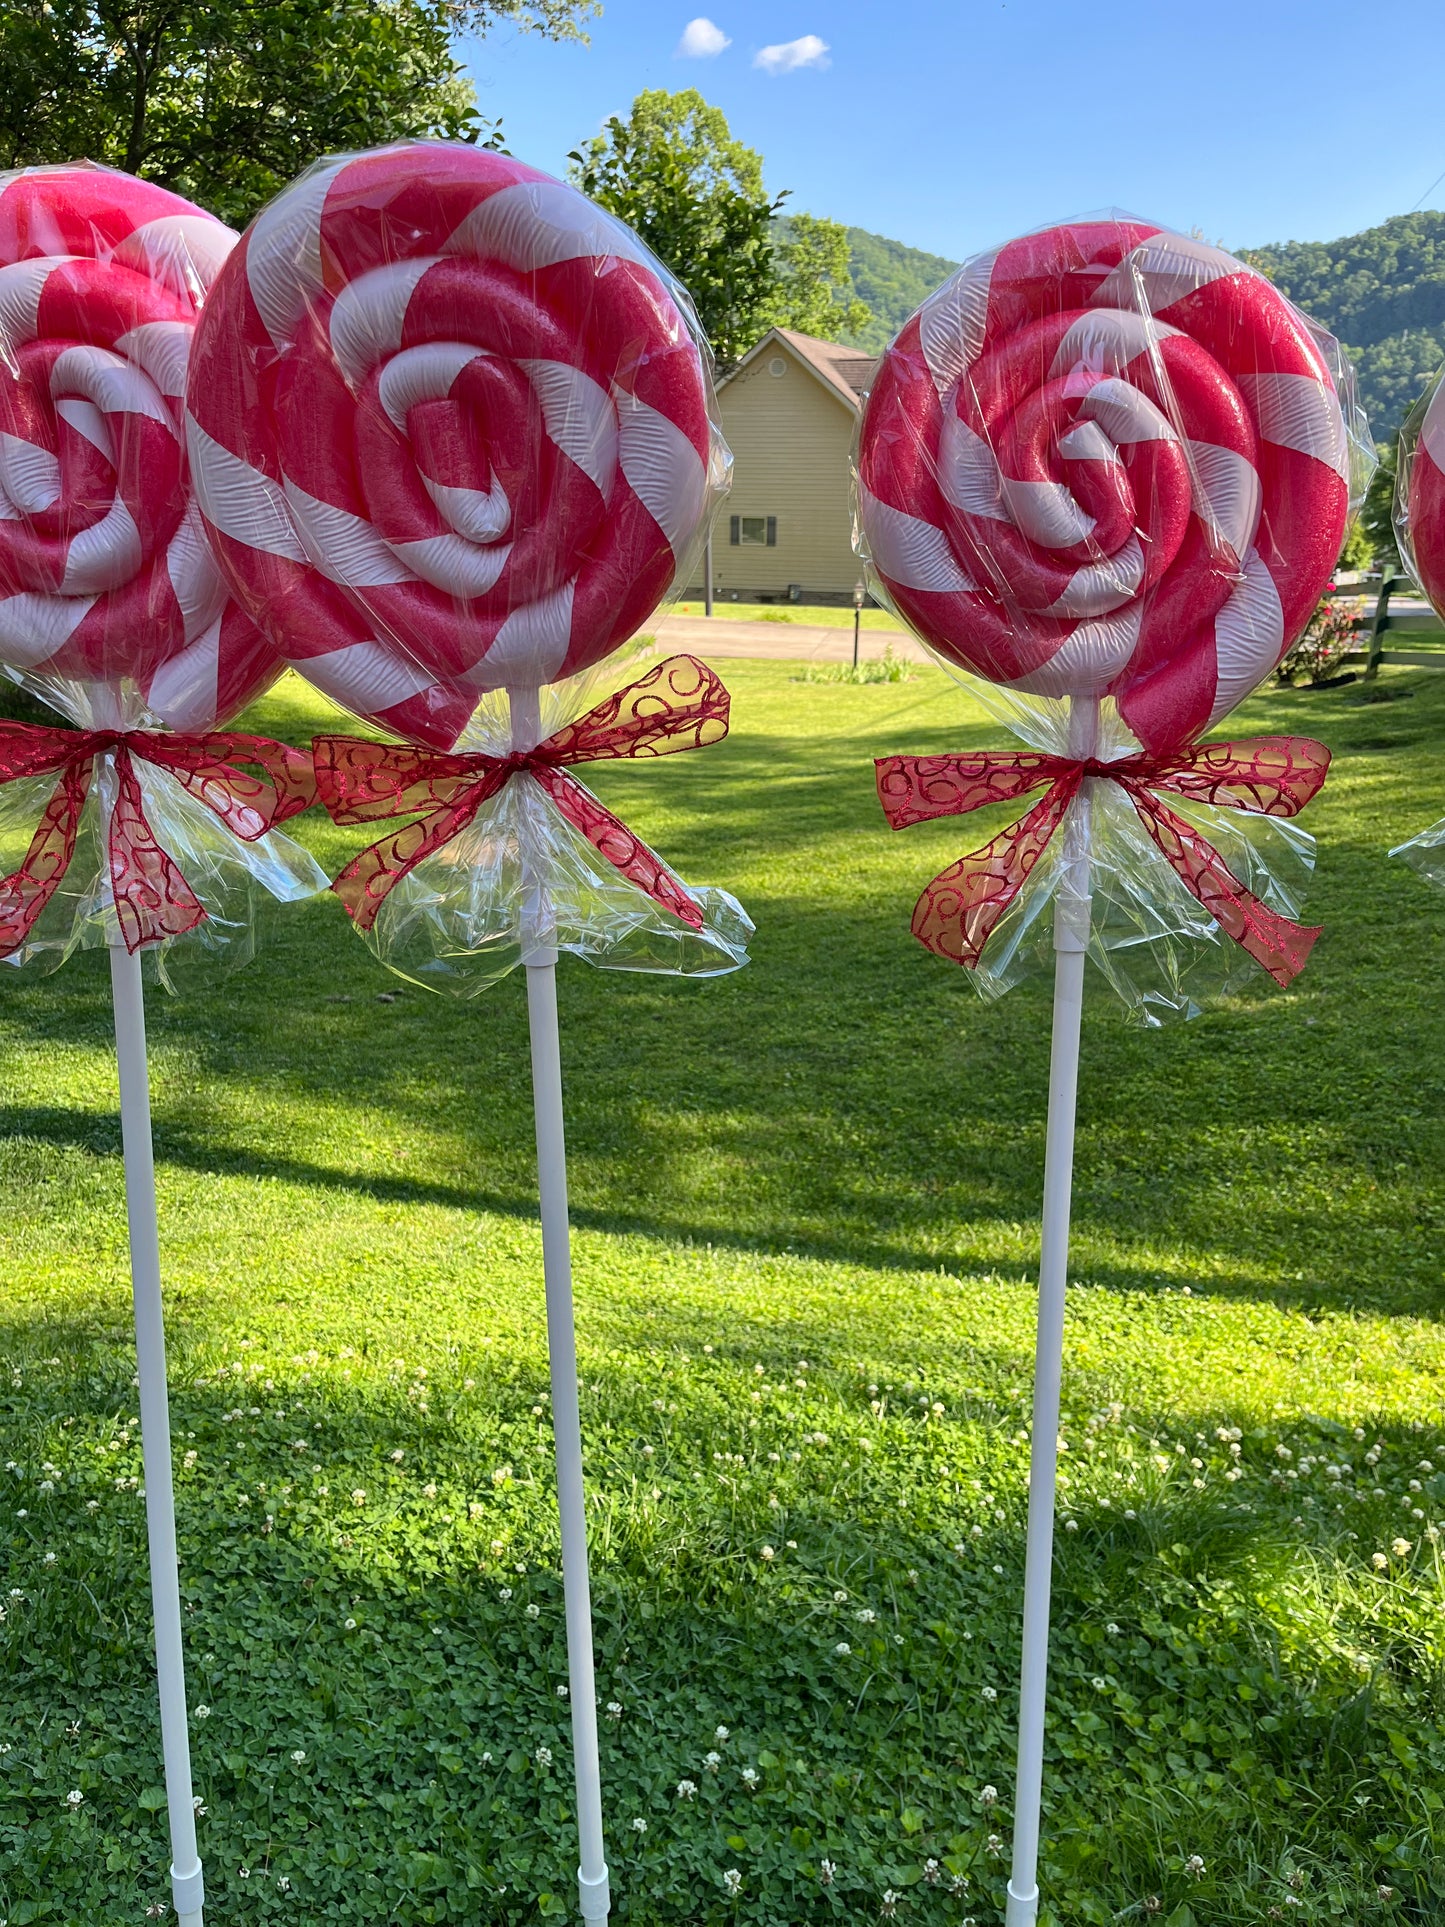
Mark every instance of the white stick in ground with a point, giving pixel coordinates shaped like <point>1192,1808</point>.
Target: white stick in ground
<point>1071,942</point>
<point>187,1887</point>
<point>539,956</point>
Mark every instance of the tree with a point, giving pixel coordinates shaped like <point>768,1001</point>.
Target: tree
<point>674,173</point>
<point>815,293</point>
<point>1377,517</point>
<point>227,100</point>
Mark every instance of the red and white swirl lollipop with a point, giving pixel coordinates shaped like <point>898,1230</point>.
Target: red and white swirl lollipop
<point>105,573</point>
<point>450,431</point>
<point>1107,460</point>
<point>1420,493</point>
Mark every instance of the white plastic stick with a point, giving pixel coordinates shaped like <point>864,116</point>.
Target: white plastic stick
<point>540,960</point>
<point>1071,943</point>
<point>187,1886</point>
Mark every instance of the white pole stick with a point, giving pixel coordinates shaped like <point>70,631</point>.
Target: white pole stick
<point>1071,943</point>
<point>187,1886</point>
<point>540,960</point>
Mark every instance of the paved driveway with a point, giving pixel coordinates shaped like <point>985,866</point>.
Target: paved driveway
<point>779,641</point>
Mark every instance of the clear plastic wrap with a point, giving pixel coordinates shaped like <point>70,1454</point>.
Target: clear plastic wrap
<point>136,818</point>
<point>454,438</point>
<point>1420,528</point>
<point>1104,473</point>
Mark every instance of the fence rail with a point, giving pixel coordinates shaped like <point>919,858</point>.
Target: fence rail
<point>1420,630</point>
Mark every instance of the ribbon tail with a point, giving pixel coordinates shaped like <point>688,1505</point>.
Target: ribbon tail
<point>153,901</point>
<point>961,908</point>
<point>26,891</point>
<point>1281,946</point>
<point>612,839</point>
<point>369,878</point>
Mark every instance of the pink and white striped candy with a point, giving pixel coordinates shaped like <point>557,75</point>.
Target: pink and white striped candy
<point>105,573</point>
<point>1421,488</point>
<point>449,428</point>
<point>1107,460</point>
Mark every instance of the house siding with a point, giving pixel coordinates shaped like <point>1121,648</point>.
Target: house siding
<point>791,441</point>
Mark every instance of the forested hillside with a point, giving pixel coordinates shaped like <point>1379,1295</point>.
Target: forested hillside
<point>893,280</point>
<point>1383,293</point>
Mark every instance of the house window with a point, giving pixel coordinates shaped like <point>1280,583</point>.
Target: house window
<point>754,531</point>
<point>777,366</point>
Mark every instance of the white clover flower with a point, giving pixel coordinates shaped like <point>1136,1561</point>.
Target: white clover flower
<point>687,1789</point>
<point>1194,1866</point>
<point>75,1798</point>
<point>534,1612</point>
<point>932,1873</point>
<point>711,1762</point>
<point>993,1846</point>
<point>203,1712</point>
<point>889,1905</point>
<point>429,1490</point>
<point>989,1692</point>
<point>1112,1629</point>
<point>298,1758</point>
<point>840,1598</point>
<point>988,1796</point>
<point>283,1883</point>
<point>1399,1547</point>
<point>198,1805</point>
<point>639,1826</point>
<point>865,1616</point>
<point>349,1625</point>
<point>721,1733</point>
<point>750,1777</point>
<point>543,1756</point>
<point>768,1553</point>
<point>1379,1561</point>
<point>358,1496</point>
<point>732,1881</point>
<point>614,1709</point>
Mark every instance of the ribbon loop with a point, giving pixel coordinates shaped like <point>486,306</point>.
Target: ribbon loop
<point>153,900</point>
<point>678,705</point>
<point>961,908</point>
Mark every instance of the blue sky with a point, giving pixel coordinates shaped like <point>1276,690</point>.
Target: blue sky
<point>952,126</point>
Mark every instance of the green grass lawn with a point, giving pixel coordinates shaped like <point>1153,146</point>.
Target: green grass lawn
<point>805,1202</point>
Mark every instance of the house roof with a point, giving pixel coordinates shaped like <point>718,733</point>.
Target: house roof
<point>845,371</point>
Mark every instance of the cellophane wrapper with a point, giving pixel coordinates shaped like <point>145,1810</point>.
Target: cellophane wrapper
<point>113,613</point>
<point>520,880</point>
<point>455,439</point>
<point>1420,531</point>
<point>1104,474</point>
<point>241,884</point>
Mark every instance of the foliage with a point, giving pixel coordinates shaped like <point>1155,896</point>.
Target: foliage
<point>227,100</point>
<point>806,1204</point>
<point>673,172</point>
<point>1357,551</point>
<point>1329,636</point>
<point>893,280</point>
<point>1382,292</point>
<point>873,669</point>
<point>814,293</point>
<point>1377,517</point>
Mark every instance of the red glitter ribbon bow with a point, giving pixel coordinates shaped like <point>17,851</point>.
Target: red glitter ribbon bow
<point>960,909</point>
<point>152,898</point>
<point>678,705</point>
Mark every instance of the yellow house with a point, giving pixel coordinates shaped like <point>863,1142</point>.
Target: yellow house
<point>789,411</point>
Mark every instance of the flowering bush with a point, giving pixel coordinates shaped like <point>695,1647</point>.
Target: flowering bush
<point>1327,640</point>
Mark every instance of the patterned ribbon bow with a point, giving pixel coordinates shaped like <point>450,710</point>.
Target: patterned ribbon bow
<point>152,898</point>
<point>676,706</point>
<point>960,909</point>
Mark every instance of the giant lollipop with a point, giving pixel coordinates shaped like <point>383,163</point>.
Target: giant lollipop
<point>451,430</point>
<point>1420,528</point>
<point>112,611</point>
<point>1106,469</point>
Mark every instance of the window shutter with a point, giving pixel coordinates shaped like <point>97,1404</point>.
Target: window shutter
<point>772,531</point>
<point>735,530</point>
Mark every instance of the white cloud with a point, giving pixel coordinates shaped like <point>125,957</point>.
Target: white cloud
<point>701,40</point>
<point>809,51</point>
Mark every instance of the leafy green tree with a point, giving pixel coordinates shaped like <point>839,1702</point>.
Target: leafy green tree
<point>227,100</point>
<point>673,172</point>
<point>814,291</point>
<point>1377,517</point>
